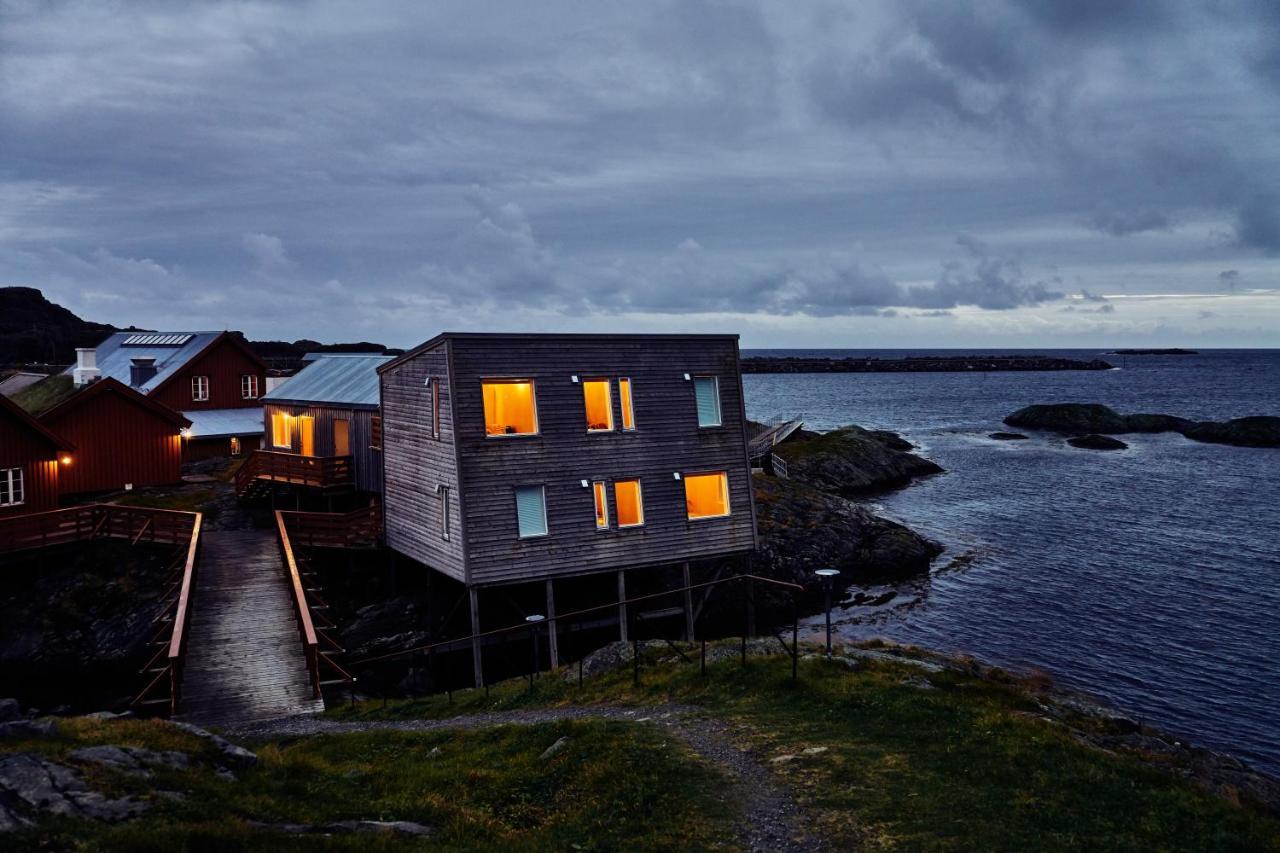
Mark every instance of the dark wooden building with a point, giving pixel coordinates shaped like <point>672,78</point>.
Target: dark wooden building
<point>328,409</point>
<point>511,458</point>
<point>123,438</point>
<point>31,459</point>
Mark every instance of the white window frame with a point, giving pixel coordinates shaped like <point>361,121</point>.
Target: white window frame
<point>519,380</point>
<point>15,486</point>
<point>248,386</point>
<point>446,502</point>
<point>639,496</point>
<point>728,497</point>
<point>199,389</point>
<point>546,525</point>
<point>435,410</point>
<point>608,390</point>
<point>719,407</point>
<point>600,488</point>
<point>627,407</point>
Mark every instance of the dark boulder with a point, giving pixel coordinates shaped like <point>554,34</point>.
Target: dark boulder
<point>1007,436</point>
<point>1096,442</point>
<point>1069,417</point>
<point>1260,431</point>
<point>852,460</point>
<point>1155,423</point>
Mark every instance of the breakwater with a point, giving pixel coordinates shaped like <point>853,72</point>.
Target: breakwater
<point>916,364</point>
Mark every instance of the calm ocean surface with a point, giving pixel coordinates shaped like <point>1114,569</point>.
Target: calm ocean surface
<point>1149,577</point>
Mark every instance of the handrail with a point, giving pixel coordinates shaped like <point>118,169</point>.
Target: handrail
<point>178,641</point>
<point>301,610</point>
<point>94,521</point>
<point>563,617</point>
<point>294,469</point>
<point>343,530</point>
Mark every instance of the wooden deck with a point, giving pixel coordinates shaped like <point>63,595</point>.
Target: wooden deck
<point>244,660</point>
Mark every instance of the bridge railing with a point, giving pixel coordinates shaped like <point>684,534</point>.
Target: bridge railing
<point>319,472</point>
<point>96,521</point>
<point>356,529</point>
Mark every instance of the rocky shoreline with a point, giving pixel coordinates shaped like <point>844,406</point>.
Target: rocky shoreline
<point>917,364</point>
<point>1096,419</point>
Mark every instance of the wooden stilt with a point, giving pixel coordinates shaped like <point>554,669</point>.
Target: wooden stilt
<point>477,660</point>
<point>751,601</point>
<point>622,608</point>
<point>688,605</point>
<point>553,628</point>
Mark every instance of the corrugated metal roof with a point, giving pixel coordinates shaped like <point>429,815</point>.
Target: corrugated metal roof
<point>338,378</point>
<point>218,423</point>
<point>115,354</point>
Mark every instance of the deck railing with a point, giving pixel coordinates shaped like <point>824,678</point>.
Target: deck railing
<point>175,620</point>
<point>319,472</point>
<point>361,528</point>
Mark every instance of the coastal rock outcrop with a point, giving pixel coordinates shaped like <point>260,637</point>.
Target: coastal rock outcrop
<point>1093,441</point>
<point>1007,436</point>
<point>1257,431</point>
<point>852,460</point>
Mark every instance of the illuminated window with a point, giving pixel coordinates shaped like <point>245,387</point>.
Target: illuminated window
<point>281,430</point>
<point>249,386</point>
<point>531,511</point>
<point>199,388</point>
<point>235,445</point>
<point>509,408</point>
<point>626,494</point>
<point>628,410</point>
<point>602,505</point>
<point>706,495</point>
<point>706,390</point>
<point>11,492</point>
<point>599,399</point>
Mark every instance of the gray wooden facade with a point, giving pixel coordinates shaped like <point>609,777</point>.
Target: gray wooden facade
<point>365,460</point>
<point>481,472</point>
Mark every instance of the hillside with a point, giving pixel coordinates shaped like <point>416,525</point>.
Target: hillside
<point>34,330</point>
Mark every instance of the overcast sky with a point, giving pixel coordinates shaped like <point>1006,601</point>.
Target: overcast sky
<point>1091,172</point>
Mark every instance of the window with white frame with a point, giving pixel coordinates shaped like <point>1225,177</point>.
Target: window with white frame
<point>706,391</point>
<point>11,491</point>
<point>199,388</point>
<point>435,409</point>
<point>444,513</point>
<point>249,386</point>
<point>531,511</point>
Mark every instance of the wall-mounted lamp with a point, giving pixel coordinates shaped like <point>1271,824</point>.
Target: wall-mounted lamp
<point>687,377</point>
<point>675,475</point>
<point>585,484</point>
<point>573,379</point>
<point>66,459</point>
<point>426,383</point>
<point>438,487</point>
<point>185,432</point>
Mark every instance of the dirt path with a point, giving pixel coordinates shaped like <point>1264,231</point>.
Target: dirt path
<point>772,816</point>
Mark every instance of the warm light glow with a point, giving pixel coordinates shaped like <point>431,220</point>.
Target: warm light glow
<point>306,435</point>
<point>706,495</point>
<point>602,505</point>
<point>65,460</point>
<point>599,399</point>
<point>626,494</point>
<point>281,430</point>
<point>509,408</point>
<point>624,397</point>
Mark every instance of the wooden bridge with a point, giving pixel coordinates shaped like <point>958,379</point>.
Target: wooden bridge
<point>760,448</point>
<point>265,468</point>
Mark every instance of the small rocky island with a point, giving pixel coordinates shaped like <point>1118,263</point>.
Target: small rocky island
<point>1084,418</point>
<point>919,364</point>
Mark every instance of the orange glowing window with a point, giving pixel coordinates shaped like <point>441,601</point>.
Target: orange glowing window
<point>624,397</point>
<point>602,505</point>
<point>626,494</point>
<point>510,408</point>
<point>599,400</point>
<point>281,430</point>
<point>706,495</point>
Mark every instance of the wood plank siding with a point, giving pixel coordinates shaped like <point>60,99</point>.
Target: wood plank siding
<point>666,440</point>
<point>224,362</point>
<point>366,461</point>
<point>415,463</point>
<point>25,445</point>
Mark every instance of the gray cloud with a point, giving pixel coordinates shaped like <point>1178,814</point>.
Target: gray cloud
<point>1258,224</point>
<point>1120,223</point>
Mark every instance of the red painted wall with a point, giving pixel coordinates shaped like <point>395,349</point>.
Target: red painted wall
<point>21,447</point>
<point>224,363</point>
<point>117,441</point>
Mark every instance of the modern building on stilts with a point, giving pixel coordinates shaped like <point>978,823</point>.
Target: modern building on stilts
<point>537,458</point>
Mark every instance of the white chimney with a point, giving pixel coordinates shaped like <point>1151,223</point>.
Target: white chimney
<point>86,366</point>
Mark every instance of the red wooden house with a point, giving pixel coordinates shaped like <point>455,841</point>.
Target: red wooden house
<point>30,459</point>
<point>122,438</point>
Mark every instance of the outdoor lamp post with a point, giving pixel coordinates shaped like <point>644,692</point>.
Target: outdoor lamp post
<point>533,631</point>
<point>827,575</point>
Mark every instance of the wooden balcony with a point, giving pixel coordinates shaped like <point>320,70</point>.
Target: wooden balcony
<point>265,467</point>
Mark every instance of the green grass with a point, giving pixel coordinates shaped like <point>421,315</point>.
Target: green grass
<point>614,786</point>
<point>42,396</point>
<point>185,499</point>
<point>967,764</point>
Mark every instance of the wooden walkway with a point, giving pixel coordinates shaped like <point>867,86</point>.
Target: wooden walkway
<point>245,660</point>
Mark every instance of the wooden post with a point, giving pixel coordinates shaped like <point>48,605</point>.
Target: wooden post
<point>553,629</point>
<point>622,608</point>
<point>477,660</point>
<point>688,605</point>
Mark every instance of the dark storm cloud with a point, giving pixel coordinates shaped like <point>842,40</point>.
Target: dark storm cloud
<point>338,169</point>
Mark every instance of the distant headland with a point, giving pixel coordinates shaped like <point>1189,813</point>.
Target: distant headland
<point>916,364</point>
<point>1170,351</point>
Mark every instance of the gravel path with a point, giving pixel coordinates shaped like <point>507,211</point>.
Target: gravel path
<point>772,816</point>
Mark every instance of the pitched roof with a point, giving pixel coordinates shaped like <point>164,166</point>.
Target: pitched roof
<point>15,382</point>
<point>114,386</point>
<point>171,350</point>
<point>343,379</point>
<point>44,395</point>
<point>220,423</point>
<point>19,414</point>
